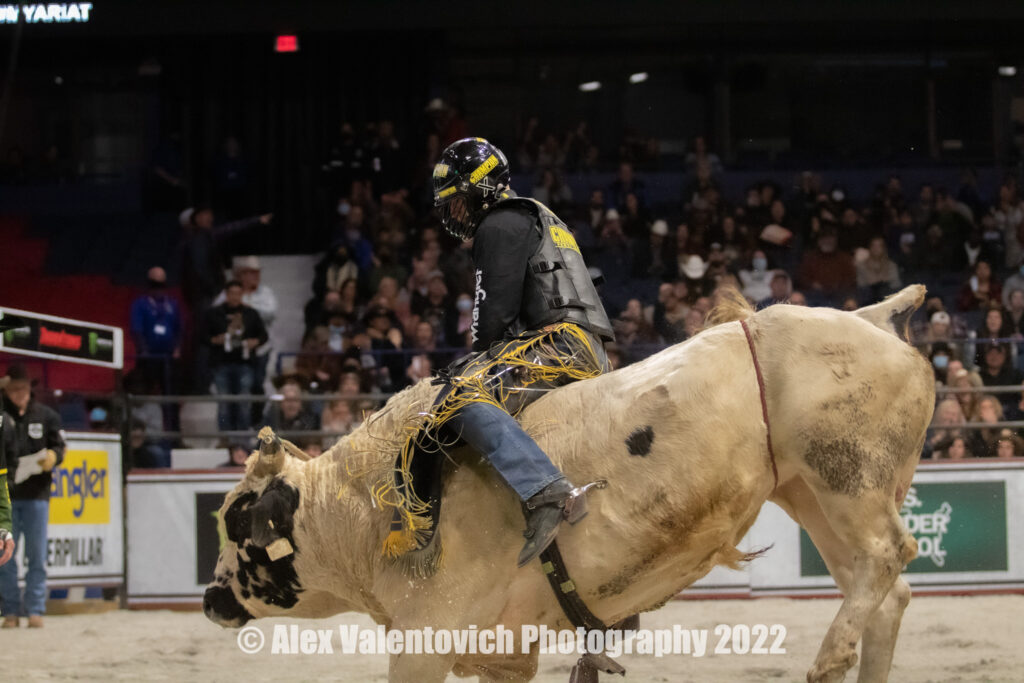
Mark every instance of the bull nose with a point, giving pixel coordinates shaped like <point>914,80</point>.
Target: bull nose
<point>207,604</point>
<point>220,606</point>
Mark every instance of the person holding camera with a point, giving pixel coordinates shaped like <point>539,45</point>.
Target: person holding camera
<point>233,332</point>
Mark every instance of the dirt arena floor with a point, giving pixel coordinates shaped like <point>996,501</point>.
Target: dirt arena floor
<point>942,639</point>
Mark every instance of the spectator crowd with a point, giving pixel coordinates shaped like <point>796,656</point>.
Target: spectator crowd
<point>392,294</point>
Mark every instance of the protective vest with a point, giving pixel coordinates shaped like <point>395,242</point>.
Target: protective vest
<point>558,287</point>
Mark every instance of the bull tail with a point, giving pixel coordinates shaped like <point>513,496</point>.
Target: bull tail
<point>893,314</point>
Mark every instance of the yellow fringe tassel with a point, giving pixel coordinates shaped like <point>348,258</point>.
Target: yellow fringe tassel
<point>534,360</point>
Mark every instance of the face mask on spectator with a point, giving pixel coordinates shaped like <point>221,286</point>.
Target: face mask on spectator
<point>343,207</point>
<point>940,362</point>
<point>158,285</point>
<point>838,195</point>
<point>464,305</point>
<point>759,263</point>
<point>1021,269</point>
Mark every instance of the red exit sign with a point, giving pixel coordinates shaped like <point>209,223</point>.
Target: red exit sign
<point>286,44</point>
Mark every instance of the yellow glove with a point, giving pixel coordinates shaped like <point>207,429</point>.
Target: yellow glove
<point>48,461</point>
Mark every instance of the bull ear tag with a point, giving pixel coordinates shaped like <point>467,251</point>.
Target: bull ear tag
<point>278,549</point>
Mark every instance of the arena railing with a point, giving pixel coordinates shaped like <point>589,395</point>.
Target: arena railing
<point>633,353</point>
<point>132,400</point>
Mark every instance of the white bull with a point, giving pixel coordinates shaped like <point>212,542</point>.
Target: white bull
<point>681,441</point>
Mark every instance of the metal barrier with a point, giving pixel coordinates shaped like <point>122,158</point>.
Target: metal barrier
<point>136,399</point>
<point>121,403</point>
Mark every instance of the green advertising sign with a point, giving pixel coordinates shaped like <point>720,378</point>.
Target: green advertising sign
<point>959,527</point>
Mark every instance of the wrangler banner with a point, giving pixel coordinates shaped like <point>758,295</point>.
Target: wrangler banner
<point>85,537</point>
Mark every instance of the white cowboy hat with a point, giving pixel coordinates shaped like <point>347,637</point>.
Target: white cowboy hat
<point>694,267</point>
<point>245,263</point>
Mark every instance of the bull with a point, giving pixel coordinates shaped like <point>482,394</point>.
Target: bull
<point>820,411</point>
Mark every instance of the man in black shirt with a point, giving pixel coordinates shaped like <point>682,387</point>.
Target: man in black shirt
<point>37,432</point>
<point>537,324</point>
<point>233,331</point>
<point>202,272</point>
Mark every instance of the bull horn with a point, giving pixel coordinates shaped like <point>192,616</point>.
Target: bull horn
<point>271,452</point>
<point>270,445</point>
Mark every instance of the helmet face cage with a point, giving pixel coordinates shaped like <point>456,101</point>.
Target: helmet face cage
<point>474,171</point>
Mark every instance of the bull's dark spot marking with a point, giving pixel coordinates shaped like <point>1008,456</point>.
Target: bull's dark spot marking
<point>640,440</point>
<point>236,518</point>
<point>840,462</point>
<point>254,521</point>
<point>272,516</point>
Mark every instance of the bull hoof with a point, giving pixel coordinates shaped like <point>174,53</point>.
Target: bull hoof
<point>833,673</point>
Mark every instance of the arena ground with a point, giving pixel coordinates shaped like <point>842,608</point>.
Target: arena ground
<point>942,639</point>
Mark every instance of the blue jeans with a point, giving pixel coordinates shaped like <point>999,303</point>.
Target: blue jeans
<point>30,520</point>
<point>232,379</point>
<point>497,436</point>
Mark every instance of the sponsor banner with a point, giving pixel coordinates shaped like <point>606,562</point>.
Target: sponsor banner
<point>208,538</point>
<point>178,511</point>
<point>959,527</point>
<point>85,536</point>
<point>47,336</point>
<point>966,519</point>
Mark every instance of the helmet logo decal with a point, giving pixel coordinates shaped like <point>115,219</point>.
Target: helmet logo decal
<point>483,169</point>
<point>441,171</point>
<point>563,239</point>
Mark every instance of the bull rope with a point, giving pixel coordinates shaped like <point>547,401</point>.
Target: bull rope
<point>764,401</point>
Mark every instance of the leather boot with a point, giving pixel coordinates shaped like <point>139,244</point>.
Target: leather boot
<point>545,510</point>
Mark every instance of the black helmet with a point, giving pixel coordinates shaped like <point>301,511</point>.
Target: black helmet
<point>475,171</point>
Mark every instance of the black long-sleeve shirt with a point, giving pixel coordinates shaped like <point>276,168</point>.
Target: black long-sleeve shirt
<point>504,242</point>
<point>218,321</point>
<point>202,269</point>
<point>39,428</point>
